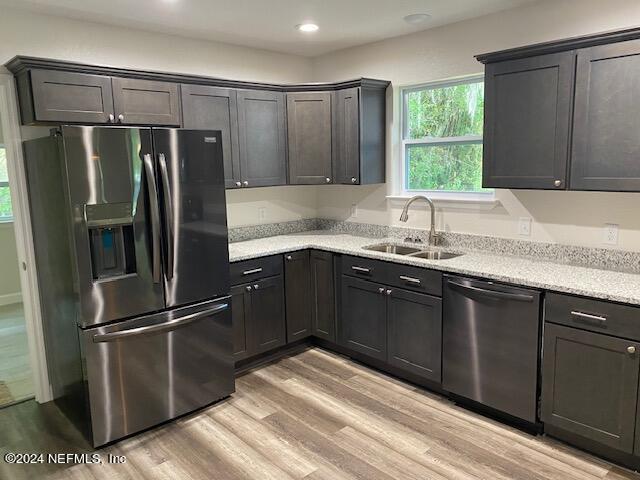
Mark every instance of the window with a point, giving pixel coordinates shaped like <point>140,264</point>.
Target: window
<point>6,212</point>
<point>442,138</point>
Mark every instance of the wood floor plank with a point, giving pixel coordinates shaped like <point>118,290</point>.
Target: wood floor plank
<point>315,416</point>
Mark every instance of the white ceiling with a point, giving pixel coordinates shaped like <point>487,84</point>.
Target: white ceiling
<point>269,24</point>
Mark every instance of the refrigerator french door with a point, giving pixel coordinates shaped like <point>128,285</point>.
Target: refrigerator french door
<point>131,243</point>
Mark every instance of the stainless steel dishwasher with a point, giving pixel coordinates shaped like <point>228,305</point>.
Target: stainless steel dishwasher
<point>491,340</point>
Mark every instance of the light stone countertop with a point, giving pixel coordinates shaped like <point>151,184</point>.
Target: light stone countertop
<point>605,284</point>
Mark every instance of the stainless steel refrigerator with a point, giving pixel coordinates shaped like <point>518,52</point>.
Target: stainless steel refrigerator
<point>130,235</point>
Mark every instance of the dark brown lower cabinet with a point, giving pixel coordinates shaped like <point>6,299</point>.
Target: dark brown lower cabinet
<point>363,323</point>
<point>414,326</point>
<point>297,275</point>
<point>323,311</point>
<point>240,311</point>
<point>590,385</point>
<point>258,317</point>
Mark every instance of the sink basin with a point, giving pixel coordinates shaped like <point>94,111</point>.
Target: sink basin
<point>392,248</point>
<point>435,254</point>
<point>424,252</point>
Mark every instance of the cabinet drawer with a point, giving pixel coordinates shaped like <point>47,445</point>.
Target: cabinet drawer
<point>374,270</point>
<point>415,278</point>
<point>250,270</point>
<point>594,315</point>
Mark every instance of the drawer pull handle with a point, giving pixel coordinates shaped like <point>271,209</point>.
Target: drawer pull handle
<point>254,270</point>
<point>415,281</point>
<point>360,269</point>
<point>588,316</point>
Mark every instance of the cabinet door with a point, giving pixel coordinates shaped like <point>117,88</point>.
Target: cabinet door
<point>323,297</point>
<point>309,132</point>
<point>363,323</point>
<point>297,280</point>
<point>262,136</point>
<point>346,129</point>
<point>590,385</point>
<point>241,312</point>
<point>415,333</point>
<point>71,97</point>
<point>213,108</point>
<point>267,325</point>
<point>606,148</point>
<point>527,116</point>
<point>146,102</point>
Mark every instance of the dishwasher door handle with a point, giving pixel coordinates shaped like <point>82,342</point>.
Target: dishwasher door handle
<point>519,297</point>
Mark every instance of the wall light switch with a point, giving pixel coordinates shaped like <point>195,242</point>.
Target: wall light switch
<point>354,210</point>
<point>611,233</point>
<point>262,213</point>
<point>524,226</point>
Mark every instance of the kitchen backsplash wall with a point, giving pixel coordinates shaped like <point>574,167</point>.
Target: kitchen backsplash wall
<point>575,218</point>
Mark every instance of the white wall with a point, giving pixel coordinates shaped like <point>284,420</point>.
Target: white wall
<point>52,37</point>
<point>445,52</point>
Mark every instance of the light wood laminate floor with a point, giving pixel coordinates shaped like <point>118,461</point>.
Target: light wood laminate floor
<point>315,416</point>
<point>15,372</point>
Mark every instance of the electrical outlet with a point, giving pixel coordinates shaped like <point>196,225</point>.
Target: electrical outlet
<point>354,210</point>
<point>611,233</point>
<point>524,226</point>
<point>262,213</point>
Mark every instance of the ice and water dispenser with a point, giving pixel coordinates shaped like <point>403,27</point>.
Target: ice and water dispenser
<point>111,239</point>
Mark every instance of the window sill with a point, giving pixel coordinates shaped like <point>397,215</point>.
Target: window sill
<point>451,202</point>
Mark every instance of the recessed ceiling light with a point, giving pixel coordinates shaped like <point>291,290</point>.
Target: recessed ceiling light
<point>416,18</point>
<point>307,27</point>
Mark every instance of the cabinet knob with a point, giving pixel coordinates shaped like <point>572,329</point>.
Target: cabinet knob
<point>631,350</point>
<point>289,258</point>
<point>248,288</point>
<point>381,290</point>
<point>255,287</point>
<point>354,180</point>
<point>328,180</point>
<point>238,184</point>
<point>389,292</point>
<point>557,183</point>
<point>121,118</point>
<point>245,183</point>
<point>111,117</point>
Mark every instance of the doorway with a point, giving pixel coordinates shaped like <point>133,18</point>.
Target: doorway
<point>16,379</point>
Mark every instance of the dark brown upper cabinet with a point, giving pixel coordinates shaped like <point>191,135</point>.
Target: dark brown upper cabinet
<point>309,132</point>
<point>359,145</point>
<point>527,122</point>
<point>606,129</point>
<point>52,96</point>
<point>146,102</point>
<point>262,136</point>
<point>563,114</point>
<point>214,108</point>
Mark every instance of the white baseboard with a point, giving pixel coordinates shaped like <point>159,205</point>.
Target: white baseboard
<point>10,298</point>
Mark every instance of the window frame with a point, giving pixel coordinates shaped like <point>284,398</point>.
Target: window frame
<point>5,219</point>
<point>488,196</point>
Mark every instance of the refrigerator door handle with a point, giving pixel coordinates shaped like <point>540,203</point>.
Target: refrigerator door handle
<point>168,213</point>
<point>162,327</point>
<point>155,216</point>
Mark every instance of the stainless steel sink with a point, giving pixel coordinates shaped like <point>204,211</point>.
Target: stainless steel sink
<point>426,252</point>
<point>435,254</point>
<point>392,248</point>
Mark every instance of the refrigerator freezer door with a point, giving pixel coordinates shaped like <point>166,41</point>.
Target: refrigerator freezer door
<point>115,221</point>
<point>194,216</point>
<point>145,371</point>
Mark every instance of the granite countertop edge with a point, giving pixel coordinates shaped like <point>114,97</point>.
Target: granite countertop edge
<point>608,285</point>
